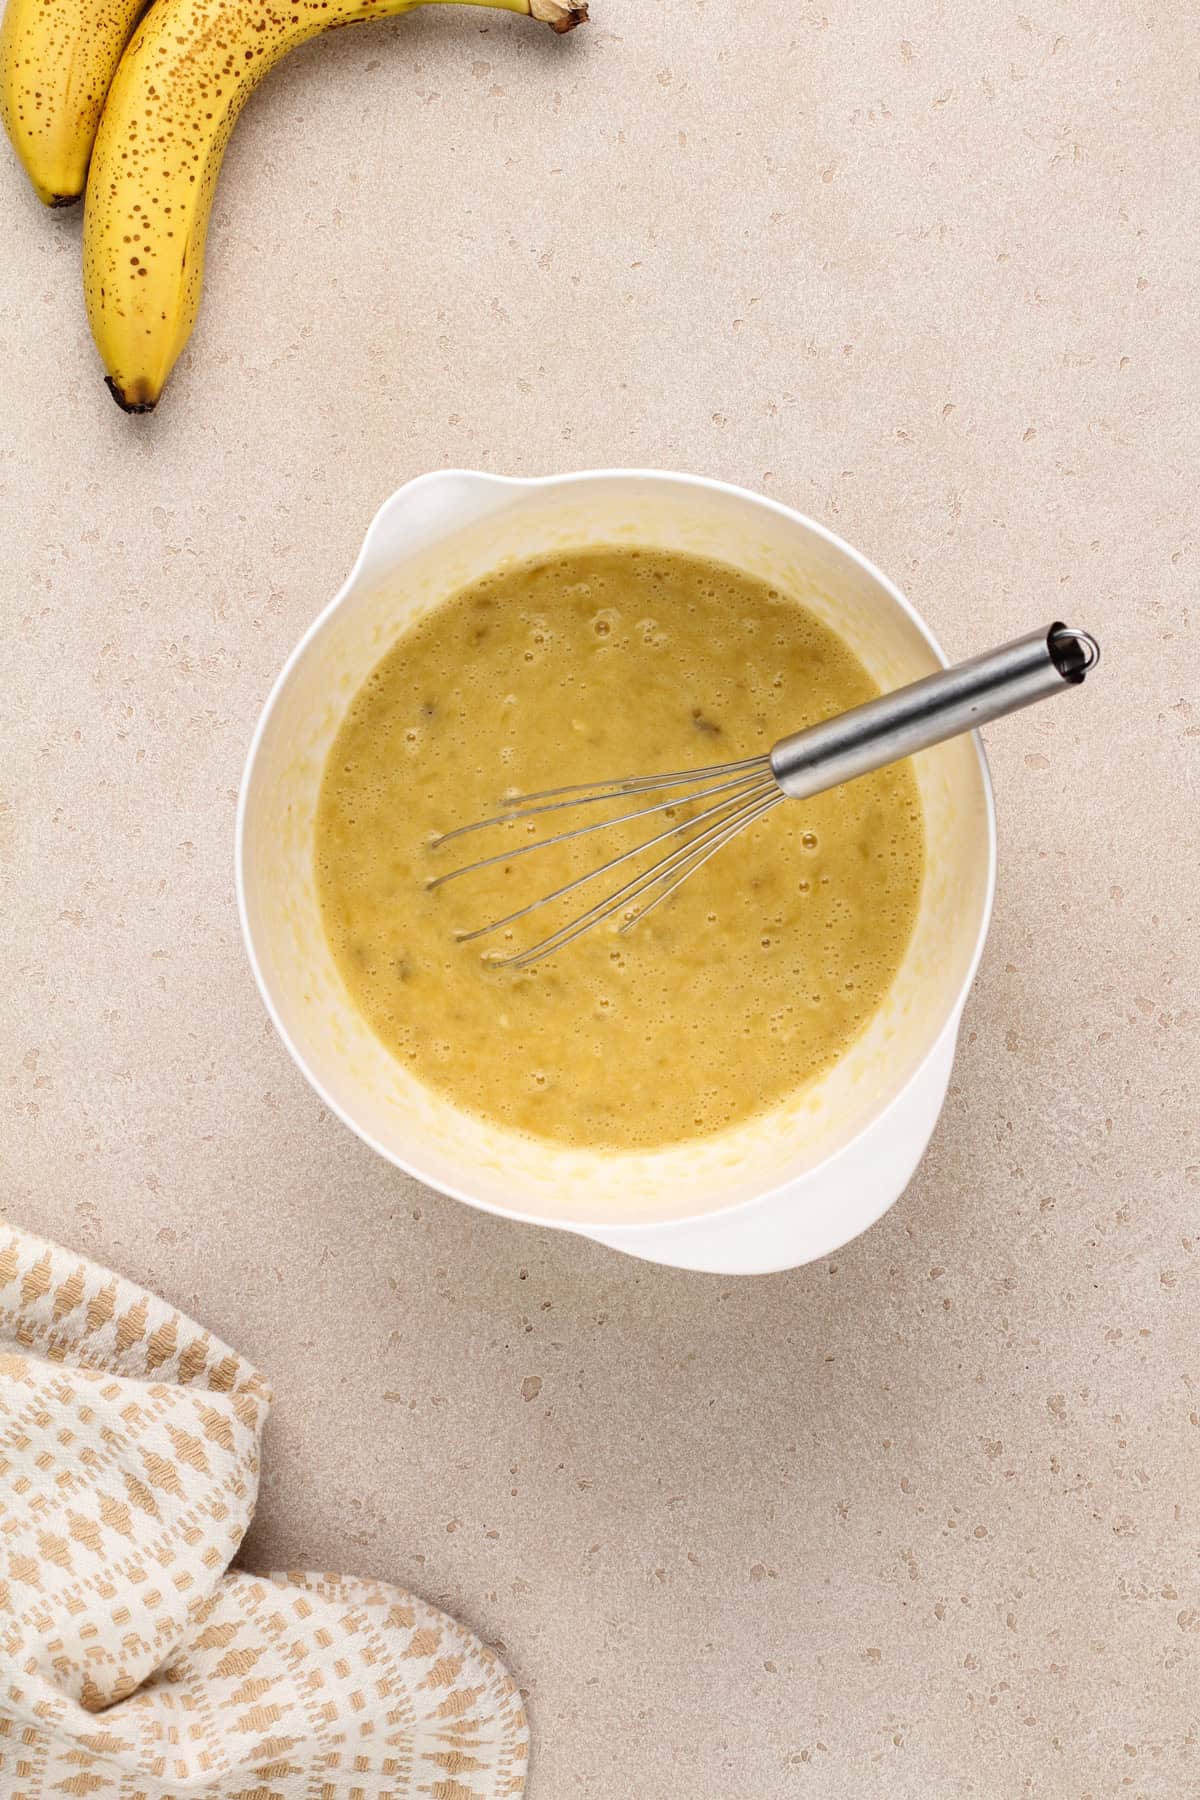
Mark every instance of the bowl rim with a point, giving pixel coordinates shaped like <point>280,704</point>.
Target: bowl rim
<point>518,484</point>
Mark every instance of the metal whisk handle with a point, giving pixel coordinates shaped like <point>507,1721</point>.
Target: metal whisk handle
<point>930,711</point>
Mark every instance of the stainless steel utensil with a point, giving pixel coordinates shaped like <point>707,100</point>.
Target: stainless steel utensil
<point>885,730</point>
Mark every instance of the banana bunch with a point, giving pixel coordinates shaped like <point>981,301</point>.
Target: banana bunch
<point>142,117</point>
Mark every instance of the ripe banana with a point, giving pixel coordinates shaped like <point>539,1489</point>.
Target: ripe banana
<point>57,58</point>
<point>176,96</point>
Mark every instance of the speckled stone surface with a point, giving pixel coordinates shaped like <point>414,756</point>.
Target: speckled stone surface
<point>919,1521</point>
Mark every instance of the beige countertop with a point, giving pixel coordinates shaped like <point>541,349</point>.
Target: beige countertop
<point>920,1520</point>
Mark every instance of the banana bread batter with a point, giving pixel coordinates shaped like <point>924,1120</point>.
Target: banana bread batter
<point>747,982</point>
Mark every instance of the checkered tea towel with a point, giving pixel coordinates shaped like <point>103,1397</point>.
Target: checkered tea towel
<point>134,1663</point>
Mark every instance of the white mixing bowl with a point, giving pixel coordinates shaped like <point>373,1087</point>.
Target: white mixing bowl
<point>771,1193</point>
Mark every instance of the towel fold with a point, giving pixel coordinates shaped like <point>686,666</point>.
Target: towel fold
<point>134,1663</point>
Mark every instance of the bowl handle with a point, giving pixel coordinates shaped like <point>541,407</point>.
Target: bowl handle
<point>815,1215</point>
<point>426,510</point>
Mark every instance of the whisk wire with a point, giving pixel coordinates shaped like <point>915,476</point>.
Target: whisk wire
<point>613,862</point>
<point>563,837</point>
<point>632,784</point>
<point>760,811</point>
<point>738,813</point>
<point>589,793</point>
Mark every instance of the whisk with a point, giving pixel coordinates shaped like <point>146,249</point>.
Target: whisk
<point>731,796</point>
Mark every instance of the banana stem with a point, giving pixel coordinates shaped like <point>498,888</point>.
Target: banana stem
<point>560,15</point>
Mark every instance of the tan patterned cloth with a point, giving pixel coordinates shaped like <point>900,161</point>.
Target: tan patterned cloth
<point>134,1664</point>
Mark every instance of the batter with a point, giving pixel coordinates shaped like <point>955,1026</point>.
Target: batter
<point>746,983</point>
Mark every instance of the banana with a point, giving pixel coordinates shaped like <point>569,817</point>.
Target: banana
<point>57,58</point>
<point>171,108</point>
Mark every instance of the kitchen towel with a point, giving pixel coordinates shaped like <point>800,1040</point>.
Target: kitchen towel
<point>135,1664</point>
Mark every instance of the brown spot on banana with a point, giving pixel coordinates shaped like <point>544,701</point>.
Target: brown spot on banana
<point>187,73</point>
